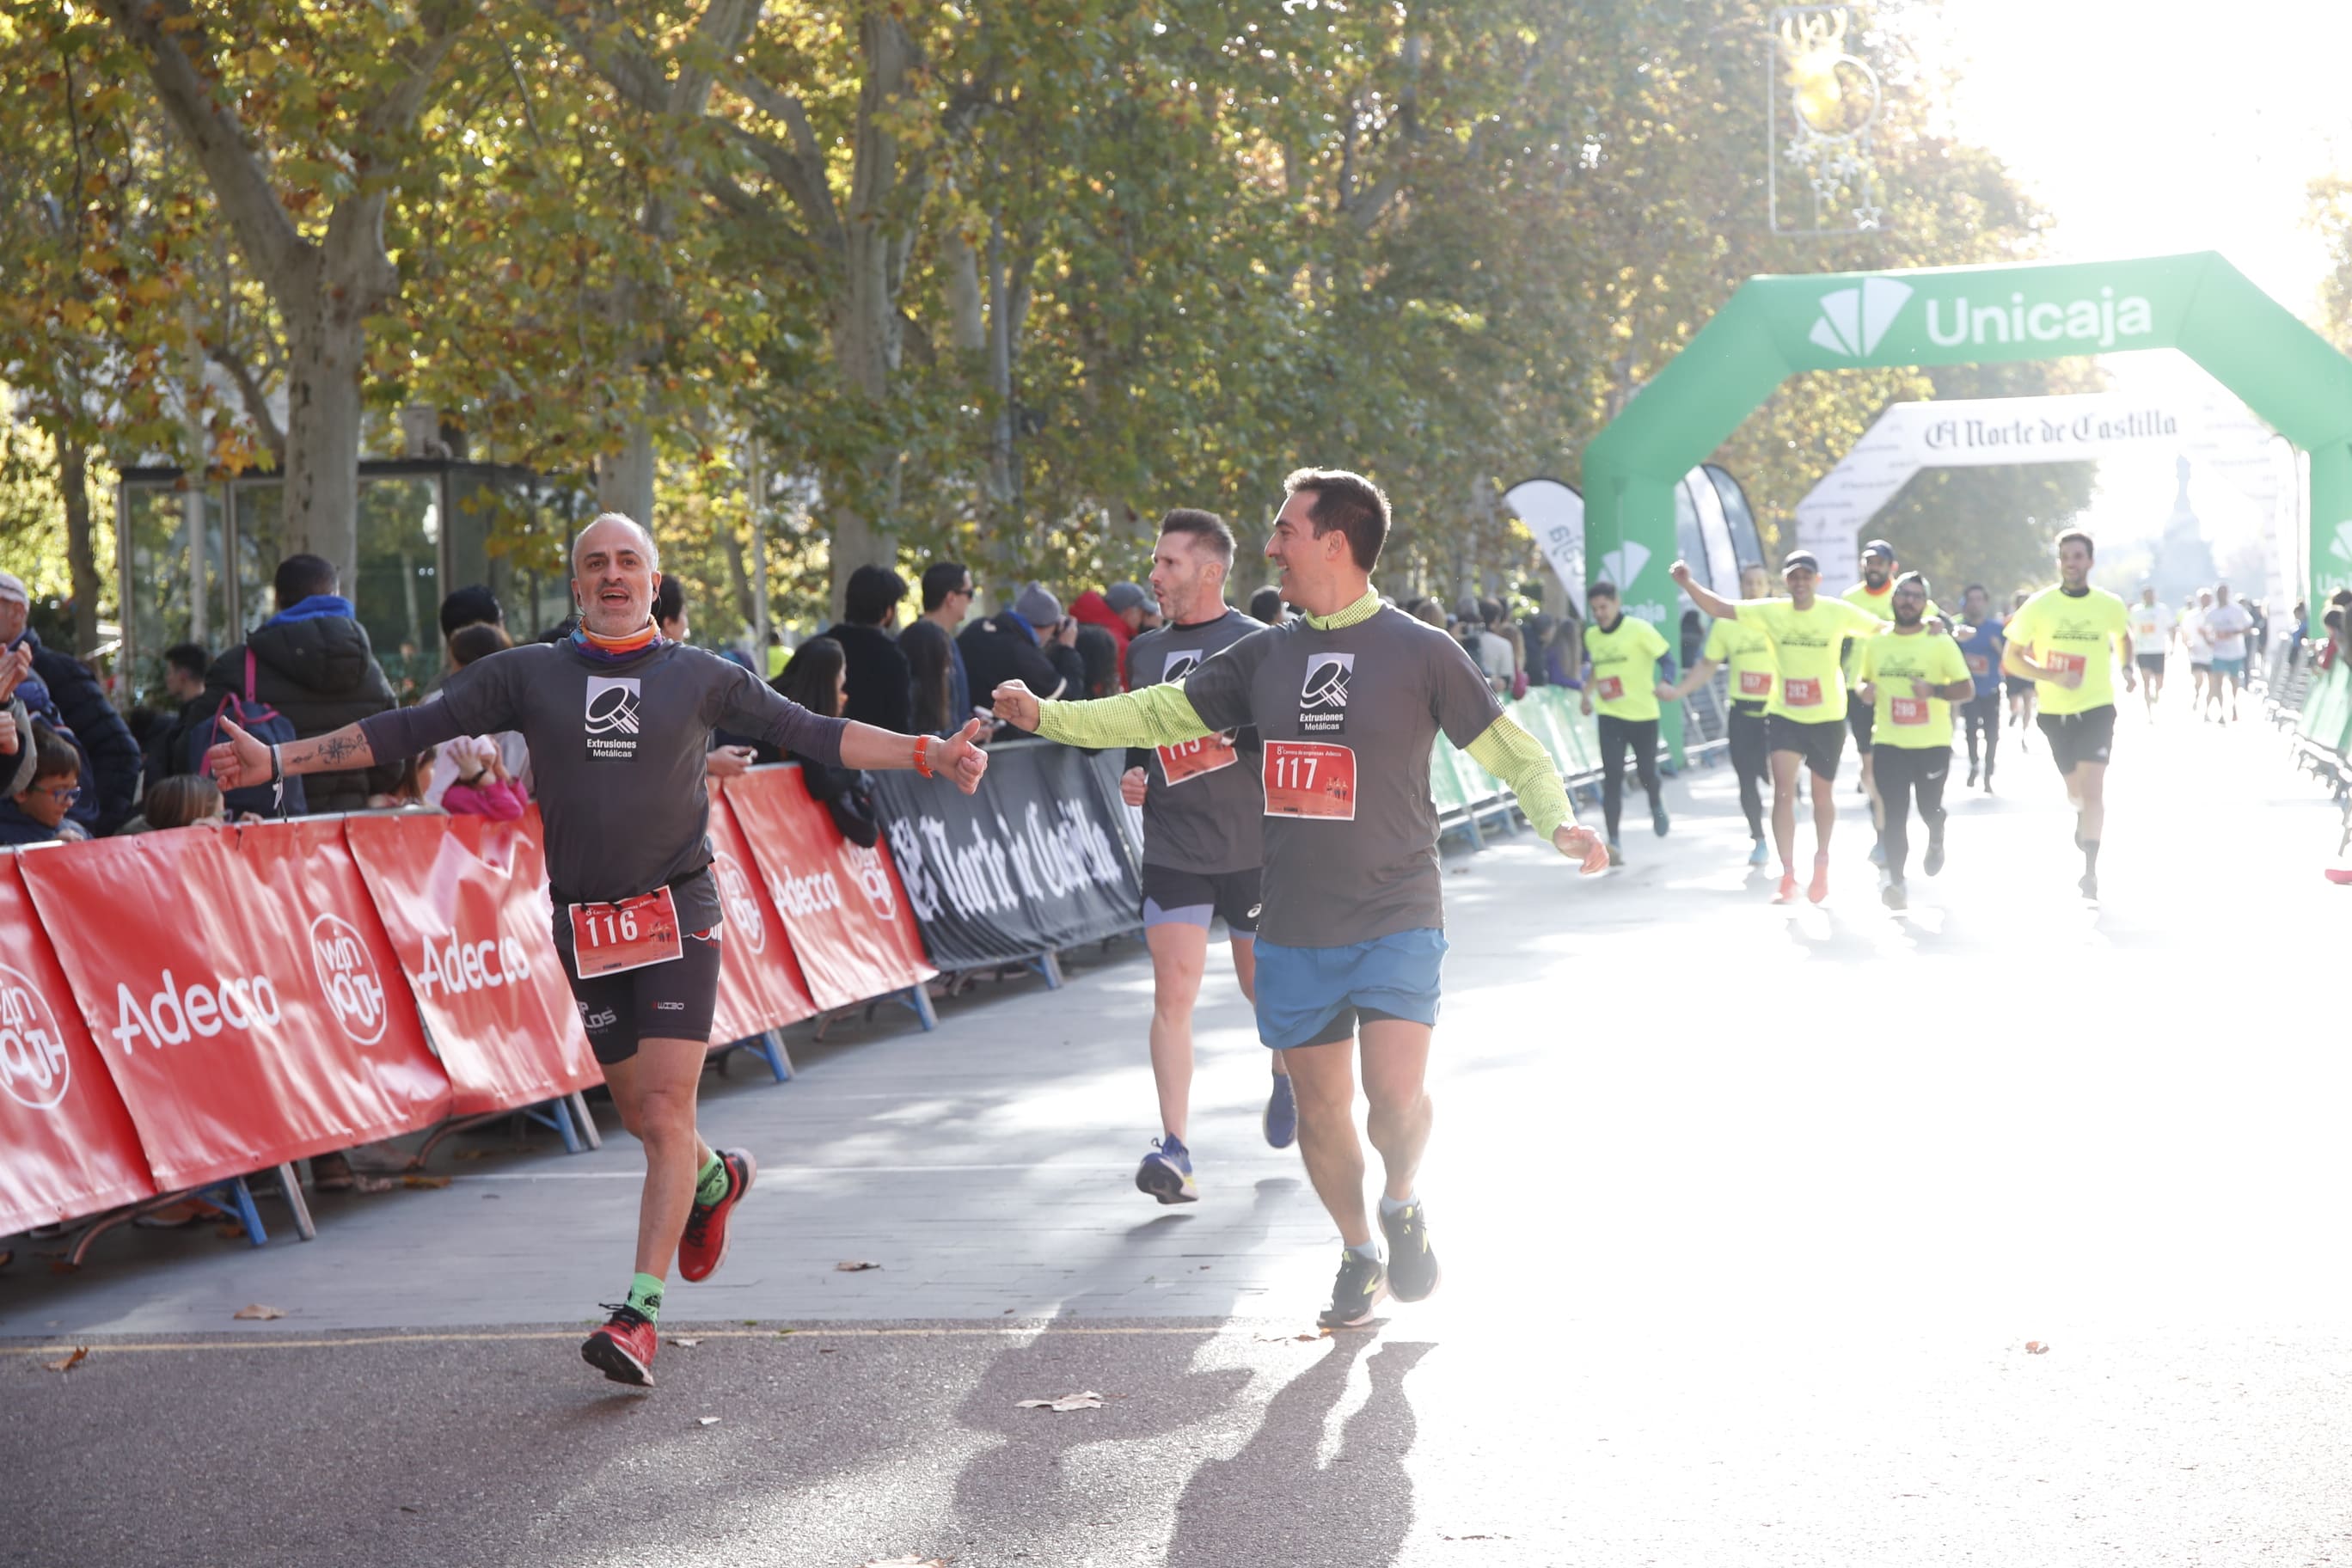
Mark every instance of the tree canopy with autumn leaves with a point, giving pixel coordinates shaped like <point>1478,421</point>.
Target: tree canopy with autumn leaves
<point>1000,280</point>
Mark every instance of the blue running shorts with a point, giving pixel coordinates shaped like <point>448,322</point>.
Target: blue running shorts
<point>1315,995</point>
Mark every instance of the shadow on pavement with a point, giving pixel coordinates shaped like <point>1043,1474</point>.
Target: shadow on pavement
<point>1274,1501</point>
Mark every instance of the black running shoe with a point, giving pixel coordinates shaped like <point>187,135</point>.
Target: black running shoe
<point>1414,1273</point>
<point>1361,1284</point>
<point>2090,885</point>
<point>1934,862</point>
<point>1893,896</point>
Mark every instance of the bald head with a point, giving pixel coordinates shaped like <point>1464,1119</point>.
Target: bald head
<point>603,529</point>
<point>614,576</point>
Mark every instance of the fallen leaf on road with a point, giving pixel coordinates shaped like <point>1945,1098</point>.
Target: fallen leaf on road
<point>257,1314</point>
<point>2035,1347</point>
<point>370,1185</point>
<point>429,1182</point>
<point>854,1267</point>
<point>60,1265</point>
<point>67,1364</point>
<point>1067,1402</point>
<point>231,1231</point>
<point>8,1256</point>
<point>474,1153</point>
<point>706,1421</point>
<point>909,1562</point>
<point>685,1344</point>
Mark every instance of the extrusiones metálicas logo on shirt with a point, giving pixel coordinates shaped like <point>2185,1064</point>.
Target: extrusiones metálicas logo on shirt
<point>1323,696</point>
<point>612,718</point>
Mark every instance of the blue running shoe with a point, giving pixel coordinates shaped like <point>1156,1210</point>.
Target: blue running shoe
<point>1167,1172</point>
<point>1760,856</point>
<point>1281,1121</point>
<point>1657,821</point>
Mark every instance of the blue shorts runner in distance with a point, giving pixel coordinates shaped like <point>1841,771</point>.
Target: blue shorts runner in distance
<point>1314,996</point>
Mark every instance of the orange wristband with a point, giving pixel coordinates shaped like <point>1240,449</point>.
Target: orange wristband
<point>923,755</point>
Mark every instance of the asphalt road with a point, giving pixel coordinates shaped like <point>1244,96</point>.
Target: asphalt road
<point>1748,1217</point>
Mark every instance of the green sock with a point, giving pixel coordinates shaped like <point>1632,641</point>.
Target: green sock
<point>711,1183</point>
<point>645,1296</point>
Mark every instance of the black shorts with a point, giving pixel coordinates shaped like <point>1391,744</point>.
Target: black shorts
<point>2085,737</point>
<point>2151,662</point>
<point>1175,897</point>
<point>2018,685</point>
<point>672,1001</point>
<point>1821,744</point>
<point>1348,1018</point>
<point>1861,718</point>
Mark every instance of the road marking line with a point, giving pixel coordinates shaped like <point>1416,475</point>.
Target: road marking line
<point>100,1346</point>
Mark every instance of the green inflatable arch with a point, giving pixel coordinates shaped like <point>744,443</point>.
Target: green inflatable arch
<point>1774,327</point>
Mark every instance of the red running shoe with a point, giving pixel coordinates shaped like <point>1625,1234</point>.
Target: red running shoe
<point>703,1247</point>
<point>1788,893</point>
<point>622,1350</point>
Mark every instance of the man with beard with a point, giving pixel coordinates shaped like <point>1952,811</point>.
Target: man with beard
<point>1911,676</point>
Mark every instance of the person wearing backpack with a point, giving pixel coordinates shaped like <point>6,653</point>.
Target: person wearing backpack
<point>203,731</point>
<point>312,665</point>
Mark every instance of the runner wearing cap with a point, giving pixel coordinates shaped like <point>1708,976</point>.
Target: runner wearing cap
<point>1981,640</point>
<point>1626,657</point>
<point>1204,845</point>
<point>1874,593</point>
<point>1806,717</point>
<point>1912,676</point>
<point>1755,670</point>
<point>618,721</point>
<point>1347,702</point>
<point>2065,639</point>
<point>2152,621</point>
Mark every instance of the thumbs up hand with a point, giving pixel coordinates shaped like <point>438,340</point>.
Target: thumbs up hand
<point>962,759</point>
<point>238,761</point>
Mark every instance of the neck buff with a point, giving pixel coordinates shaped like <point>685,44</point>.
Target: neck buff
<point>614,650</point>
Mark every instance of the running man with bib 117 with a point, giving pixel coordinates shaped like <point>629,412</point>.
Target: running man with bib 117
<point>1346,703</point>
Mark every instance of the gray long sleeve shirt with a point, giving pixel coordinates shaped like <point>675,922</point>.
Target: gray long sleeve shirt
<point>616,754</point>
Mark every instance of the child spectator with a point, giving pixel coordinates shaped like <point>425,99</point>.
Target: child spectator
<point>37,813</point>
<point>482,787</point>
<point>185,800</point>
<point>468,644</point>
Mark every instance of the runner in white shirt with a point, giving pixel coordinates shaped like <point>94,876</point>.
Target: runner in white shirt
<point>2200,650</point>
<point>2152,621</point>
<point>2225,626</point>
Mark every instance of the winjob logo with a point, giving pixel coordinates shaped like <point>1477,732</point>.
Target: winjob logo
<point>34,1068</point>
<point>348,977</point>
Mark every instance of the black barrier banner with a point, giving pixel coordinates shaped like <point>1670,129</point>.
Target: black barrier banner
<point>1044,858</point>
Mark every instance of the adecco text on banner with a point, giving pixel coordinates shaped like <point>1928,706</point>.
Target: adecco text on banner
<point>172,1015</point>
<point>810,895</point>
<point>453,968</point>
<point>35,1070</point>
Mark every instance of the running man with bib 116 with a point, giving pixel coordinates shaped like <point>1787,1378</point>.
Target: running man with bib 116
<point>618,721</point>
<point>1346,703</point>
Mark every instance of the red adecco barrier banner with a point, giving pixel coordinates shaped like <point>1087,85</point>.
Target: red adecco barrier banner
<point>67,1145</point>
<point>849,924</point>
<point>759,985</point>
<point>249,1007</point>
<point>465,901</point>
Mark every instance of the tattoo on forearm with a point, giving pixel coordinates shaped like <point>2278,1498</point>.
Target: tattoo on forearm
<point>340,748</point>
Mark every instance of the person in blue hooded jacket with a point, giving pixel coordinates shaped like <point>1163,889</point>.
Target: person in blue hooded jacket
<point>314,663</point>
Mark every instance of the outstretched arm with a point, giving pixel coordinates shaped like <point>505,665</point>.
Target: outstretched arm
<point>1156,716</point>
<point>1515,757</point>
<point>242,759</point>
<point>1714,604</point>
